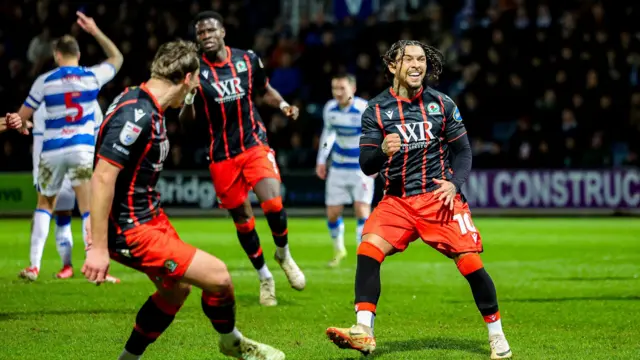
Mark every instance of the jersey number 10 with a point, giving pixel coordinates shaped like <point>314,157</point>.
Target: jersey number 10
<point>68,102</point>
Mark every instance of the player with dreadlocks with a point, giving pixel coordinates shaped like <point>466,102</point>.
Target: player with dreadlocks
<point>414,137</point>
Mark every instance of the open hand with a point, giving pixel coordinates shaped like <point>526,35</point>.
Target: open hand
<point>447,192</point>
<point>96,265</point>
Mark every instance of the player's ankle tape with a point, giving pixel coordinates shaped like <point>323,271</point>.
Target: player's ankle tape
<point>372,251</point>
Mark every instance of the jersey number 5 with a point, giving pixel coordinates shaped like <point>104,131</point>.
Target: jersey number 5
<point>68,102</point>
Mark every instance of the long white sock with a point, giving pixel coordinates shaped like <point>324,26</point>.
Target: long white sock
<point>366,318</point>
<point>128,356</point>
<point>283,252</point>
<point>64,239</point>
<point>39,234</point>
<point>336,229</point>
<point>264,273</point>
<point>495,327</point>
<point>232,337</point>
<point>85,219</point>
<point>359,228</point>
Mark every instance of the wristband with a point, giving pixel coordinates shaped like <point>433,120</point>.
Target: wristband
<point>283,104</point>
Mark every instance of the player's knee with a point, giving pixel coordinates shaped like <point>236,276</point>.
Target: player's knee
<point>175,296</point>
<point>46,202</point>
<point>333,213</point>
<point>468,263</point>
<point>218,280</point>
<point>240,214</point>
<point>267,188</point>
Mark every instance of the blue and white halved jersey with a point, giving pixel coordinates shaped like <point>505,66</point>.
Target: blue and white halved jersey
<point>68,95</point>
<point>341,134</point>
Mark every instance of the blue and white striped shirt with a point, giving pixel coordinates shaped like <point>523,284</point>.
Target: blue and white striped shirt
<point>68,95</point>
<point>341,134</point>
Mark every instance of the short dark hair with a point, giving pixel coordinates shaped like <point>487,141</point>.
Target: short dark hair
<point>174,60</point>
<point>67,45</point>
<point>350,77</point>
<point>203,15</point>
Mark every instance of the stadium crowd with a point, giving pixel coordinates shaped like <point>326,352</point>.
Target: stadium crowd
<point>543,84</point>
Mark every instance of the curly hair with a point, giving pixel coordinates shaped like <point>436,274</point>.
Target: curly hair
<point>435,59</point>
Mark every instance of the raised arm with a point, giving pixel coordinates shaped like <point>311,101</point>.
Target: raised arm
<point>114,56</point>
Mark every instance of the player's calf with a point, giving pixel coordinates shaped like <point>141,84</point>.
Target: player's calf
<point>370,258</point>
<point>154,318</point>
<point>277,219</point>
<point>484,293</point>
<point>250,242</point>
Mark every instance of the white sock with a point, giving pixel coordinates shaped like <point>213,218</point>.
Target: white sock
<point>232,337</point>
<point>85,219</point>
<point>264,273</point>
<point>336,229</point>
<point>64,239</point>
<point>39,234</point>
<point>128,356</point>
<point>359,228</point>
<point>495,327</point>
<point>283,252</point>
<point>365,318</point>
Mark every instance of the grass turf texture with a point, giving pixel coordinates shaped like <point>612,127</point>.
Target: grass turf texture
<point>568,289</point>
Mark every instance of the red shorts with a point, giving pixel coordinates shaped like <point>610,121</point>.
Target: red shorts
<point>401,221</point>
<point>235,177</point>
<point>155,249</point>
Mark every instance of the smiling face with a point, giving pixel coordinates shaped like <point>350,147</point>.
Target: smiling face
<point>210,34</point>
<point>410,67</point>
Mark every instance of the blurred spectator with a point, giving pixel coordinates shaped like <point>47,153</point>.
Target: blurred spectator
<point>539,83</point>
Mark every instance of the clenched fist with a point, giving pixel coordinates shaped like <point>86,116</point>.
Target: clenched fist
<point>391,144</point>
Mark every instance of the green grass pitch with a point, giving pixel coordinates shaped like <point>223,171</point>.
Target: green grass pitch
<point>568,289</point>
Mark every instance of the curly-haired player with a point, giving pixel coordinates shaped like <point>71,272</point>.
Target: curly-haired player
<point>414,137</point>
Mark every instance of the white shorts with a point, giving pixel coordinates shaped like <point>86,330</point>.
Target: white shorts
<point>66,200</point>
<point>76,166</point>
<point>347,186</point>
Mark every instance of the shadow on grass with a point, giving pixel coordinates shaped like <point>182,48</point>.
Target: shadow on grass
<point>245,300</point>
<point>560,299</point>
<point>473,346</point>
<point>18,315</point>
<point>603,278</point>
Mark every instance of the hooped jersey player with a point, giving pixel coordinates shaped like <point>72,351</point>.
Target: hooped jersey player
<point>133,137</point>
<point>425,132</point>
<point>341,137</point>
<point>39,117</point>
<point>68,96</point>
<point>234,124</point>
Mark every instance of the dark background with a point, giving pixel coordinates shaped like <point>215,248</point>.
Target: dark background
<point>540,84</point>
